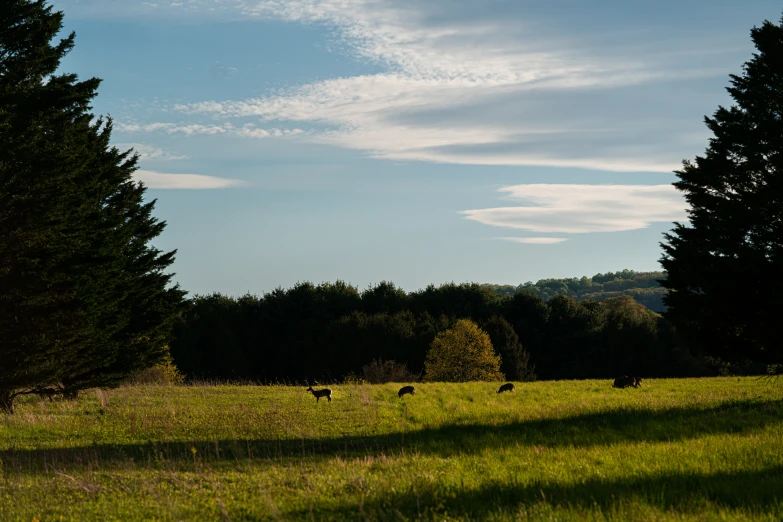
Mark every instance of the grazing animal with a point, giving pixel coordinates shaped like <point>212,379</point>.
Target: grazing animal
<point>508,387</point>
<point>321,393</point>
<point>637,382</point>
<point>623,382</point>
<point>405,390</point>
<point>48,392</point>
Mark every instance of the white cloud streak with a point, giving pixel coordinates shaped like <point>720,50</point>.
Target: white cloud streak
<point>471,83</point>
<point>161,180</point>
<point>466,91</point>
<point>248,130</point>
<point>535,240</point>
<point>174,128</point>
<point>580,209</point>
<point>149,152</point>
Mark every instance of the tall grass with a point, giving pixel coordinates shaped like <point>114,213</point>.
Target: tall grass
<point>693,449</point>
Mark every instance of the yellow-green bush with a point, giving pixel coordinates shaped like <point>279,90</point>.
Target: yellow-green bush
<point>163,373</point>
<point>462,353</point>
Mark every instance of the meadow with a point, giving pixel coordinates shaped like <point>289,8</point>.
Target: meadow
<point>674,449</point>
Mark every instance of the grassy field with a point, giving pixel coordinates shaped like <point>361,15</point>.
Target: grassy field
<point>695,449</point>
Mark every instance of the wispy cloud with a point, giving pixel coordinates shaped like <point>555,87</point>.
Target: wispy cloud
<point>162,180</point>
<point>476,86</point>
<point>149,152</point>
<point>247,130</point>
<point>535,240</point>
<point>493,83</point>
<point>174,128</point>
<point>579,209</point>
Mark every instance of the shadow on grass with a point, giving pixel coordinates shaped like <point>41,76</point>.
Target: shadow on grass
<point>752,491</point>
<point>593,429</point>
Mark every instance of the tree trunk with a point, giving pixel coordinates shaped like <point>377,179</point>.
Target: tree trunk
<point>7,398</point>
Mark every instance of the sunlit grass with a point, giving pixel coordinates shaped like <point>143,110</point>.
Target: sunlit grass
<point>695,449</point>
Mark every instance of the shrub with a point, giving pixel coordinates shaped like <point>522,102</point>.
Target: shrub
<point>735,368</point>
<point>353,380</point>
<point>380,372</point>
<point>164,373</point>
<point>461,354</point>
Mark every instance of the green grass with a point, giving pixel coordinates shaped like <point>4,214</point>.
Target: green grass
<point>693,449</point>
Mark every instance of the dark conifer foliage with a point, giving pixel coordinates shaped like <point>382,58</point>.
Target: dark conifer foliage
<point>84,299</point>
<point>724,268</point>
<point>515,361</point>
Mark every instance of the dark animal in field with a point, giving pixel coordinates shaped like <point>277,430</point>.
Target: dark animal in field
<point>48,393</point>
<point>637,382</point>
<point>508,387</point>
<point>321,393</point>
<point>623,382</point>
<point>406,390</point>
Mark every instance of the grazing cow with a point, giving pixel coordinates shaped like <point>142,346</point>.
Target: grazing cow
<point>321,393</point>
<point>508,387</point>
<point>406,390</point>
<point>623,382</point>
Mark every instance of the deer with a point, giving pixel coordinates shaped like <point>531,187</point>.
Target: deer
<point>406,390</point>
<point>624,382</point>
<point>321,393</point>
<point>508,387</point>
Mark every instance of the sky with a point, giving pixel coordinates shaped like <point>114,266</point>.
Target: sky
<point>413,141</point>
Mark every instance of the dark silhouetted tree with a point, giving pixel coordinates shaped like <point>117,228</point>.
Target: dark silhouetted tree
<point>84,300</point>
<point>724,268</point>
<point>572,330</point>
<point>515,361</point>
<point>384,298</point>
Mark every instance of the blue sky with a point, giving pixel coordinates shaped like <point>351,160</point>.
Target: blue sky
<point>408,140</point>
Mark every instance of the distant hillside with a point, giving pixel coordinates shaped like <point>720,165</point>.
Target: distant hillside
<point>642,286</point>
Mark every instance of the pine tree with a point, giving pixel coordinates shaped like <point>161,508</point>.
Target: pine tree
<point>514,359</point>
<point>724,268</point>
<point>84,299</point>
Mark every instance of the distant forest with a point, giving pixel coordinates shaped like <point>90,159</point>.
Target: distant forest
<point>642,286</point>
<point>329,331</point>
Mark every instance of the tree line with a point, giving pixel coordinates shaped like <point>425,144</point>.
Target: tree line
<point>644,287</point>
<point>328,331</point>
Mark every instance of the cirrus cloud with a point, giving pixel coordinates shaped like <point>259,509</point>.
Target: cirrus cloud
<point>535,240</point>
<point>487,86</point>
<point>247,130</point>
<point>149,152</point>
<point>580,209</point>
<point>488,83</point>
<point>162,180</point>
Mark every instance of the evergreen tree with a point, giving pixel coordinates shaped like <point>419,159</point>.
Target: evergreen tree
<point>84,299</point>
<point>722,265</point>
<point>514,360</point>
